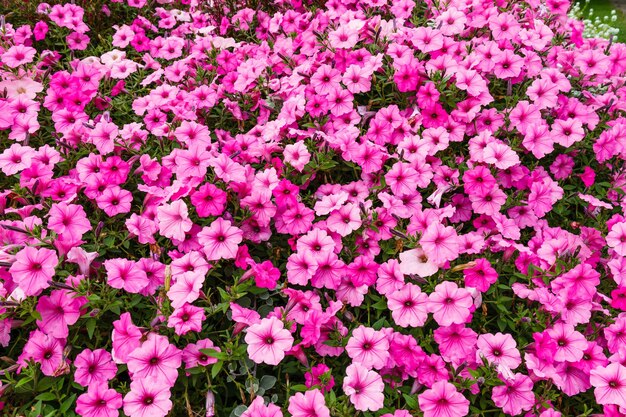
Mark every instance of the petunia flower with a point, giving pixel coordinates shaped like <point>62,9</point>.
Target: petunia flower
<point>268,341</point>
<point>364,388</point>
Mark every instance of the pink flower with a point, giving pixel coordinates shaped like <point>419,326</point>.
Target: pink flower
<point>571,344</point>
<point>616,238</point>
<point>457,343</point>
<point>68,221</point>
<point>259,409</point>
<point>156,360</point>
<point>126,337</point>
<point>364,387</point>
<point>186,319</point>
<point>515,396</point>
<point>409,306</point>
<point>415,261</point>
<point>220,240</point>
<point>125,274</point>
<point>440,243</point>
<point>443,400</point>
<point>268,341</point>
<point>99,401</point>
<point>58,311</point>
<point>321,376</point>
<point>147,398</point>
<point>174,220</point>
<point>368,347</point>
<point>450,304</point>
<point>186,288</point>
<point>309,404</point>
<point>481,275</point>
<point>498,349</point>
<point>209,200</point>
<point>18,55</point>
<point>94,367</point>
<point>609,384</point>
<point>193,356</point>
<point>45,350</point>
<point>33,268</point>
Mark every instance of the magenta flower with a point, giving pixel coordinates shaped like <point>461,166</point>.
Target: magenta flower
<point>268,341</point>
<point>364,387</point>
<point>45,350</point>
<point>220,240</point>
<point>192,356</point>
<point>616,238</point>
<point>147,398</point>
<point>99,401</point>
<point>442,399</point>
<point>155,360</point>
<point>515,396</point>
<point>309,404</point>
<point>33,268</point>
<point>94,367</point>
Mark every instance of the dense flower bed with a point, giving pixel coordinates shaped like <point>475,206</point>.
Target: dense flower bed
<point>363,207</point>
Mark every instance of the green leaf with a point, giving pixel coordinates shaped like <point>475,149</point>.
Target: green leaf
<point>46,396</point>
<point>298,387</point>
<point>91,326</point>
<point>411,402</point>
<point>216,369</point>
<point>267,381</point>
<point>67,404</point>
<point>214,353</point>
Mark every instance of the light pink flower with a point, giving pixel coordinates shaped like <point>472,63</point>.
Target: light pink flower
<point>364,387</point>
<point>368,347</point>
<point>156,361</point>
<point>174,220</point>
<point>450,304</point>
<point>268,341</point>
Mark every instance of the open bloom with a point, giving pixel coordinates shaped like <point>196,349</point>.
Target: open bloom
<point>94,366</point>
<point>368,347</point>
<point>174,220</point>
<point>408,305</point>
<point>147,398</point>
<point>99,401</point>
<point>515,396</point>
<point>609,384</point>
<point>220,240</point>
<point>415,261</point>
<point>364,387</point>
<point>268,341</point>
<point>156,360</point>
<point>259,409</point>
<point>443,400</point>
<point>309,404</point>
<point>33,268</point>
<point>450,304</point>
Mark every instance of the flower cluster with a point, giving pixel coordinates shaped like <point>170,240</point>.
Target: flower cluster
<point>312,209</point>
